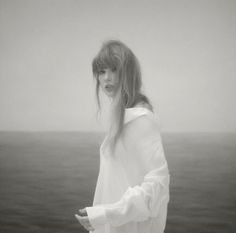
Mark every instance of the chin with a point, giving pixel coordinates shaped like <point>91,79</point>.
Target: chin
<point>109,94</point>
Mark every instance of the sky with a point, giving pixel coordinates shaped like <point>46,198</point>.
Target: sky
<point>186,50</point>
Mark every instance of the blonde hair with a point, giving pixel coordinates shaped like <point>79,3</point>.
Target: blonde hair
<point>116,55</point>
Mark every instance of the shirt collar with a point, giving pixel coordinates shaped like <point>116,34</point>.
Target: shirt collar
<point>132,113</point>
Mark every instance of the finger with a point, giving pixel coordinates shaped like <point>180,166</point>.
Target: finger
<point>86,221</point>
<point>89,228</point>
<point>79,219</point>
<point>83,220</point>
<point>81,214</point>
<point>86,227</point>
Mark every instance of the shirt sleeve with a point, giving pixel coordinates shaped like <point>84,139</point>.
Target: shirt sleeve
<point>151,196</point>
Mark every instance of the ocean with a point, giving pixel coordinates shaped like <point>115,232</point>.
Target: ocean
<point>45,177</point>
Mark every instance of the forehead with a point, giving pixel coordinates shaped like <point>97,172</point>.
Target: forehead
<point>105,66</point>
<point>106,69</point>
<point>104,61</point>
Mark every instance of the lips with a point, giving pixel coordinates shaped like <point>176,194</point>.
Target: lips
<point>109,87</point>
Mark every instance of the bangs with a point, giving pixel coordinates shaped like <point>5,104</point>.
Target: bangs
<point>104,60</point>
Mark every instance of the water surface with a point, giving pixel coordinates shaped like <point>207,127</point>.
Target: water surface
<point>46,177</point>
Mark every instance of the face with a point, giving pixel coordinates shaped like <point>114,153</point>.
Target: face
<point>109,81</point>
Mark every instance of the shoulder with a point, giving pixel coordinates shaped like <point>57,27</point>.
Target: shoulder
<point>145,121</point>
<point>142,125</point>
<point>141,132</point>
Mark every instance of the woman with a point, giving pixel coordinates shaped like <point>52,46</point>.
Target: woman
<point>132,191</point>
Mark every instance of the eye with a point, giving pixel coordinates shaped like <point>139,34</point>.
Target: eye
<point>101,72</point>
<point>113,69</point>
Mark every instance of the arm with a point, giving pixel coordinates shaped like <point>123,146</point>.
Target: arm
<point>148,198</point>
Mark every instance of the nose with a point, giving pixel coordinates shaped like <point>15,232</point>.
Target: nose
<point>107,76</point>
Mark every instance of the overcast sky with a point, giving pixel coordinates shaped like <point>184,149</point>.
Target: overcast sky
<point>186,50</point>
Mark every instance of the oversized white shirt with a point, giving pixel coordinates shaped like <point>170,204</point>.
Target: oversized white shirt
<point>132,191</point>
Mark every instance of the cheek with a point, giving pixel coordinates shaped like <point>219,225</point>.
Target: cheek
<point>116,79</point>
<point>99,79</point>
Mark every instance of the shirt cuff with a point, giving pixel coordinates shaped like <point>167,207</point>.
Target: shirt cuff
<point>96,216</point>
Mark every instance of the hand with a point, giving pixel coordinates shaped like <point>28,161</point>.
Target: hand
<point>84,220</point>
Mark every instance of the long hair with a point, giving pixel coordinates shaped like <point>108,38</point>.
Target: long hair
<point>115,54</point>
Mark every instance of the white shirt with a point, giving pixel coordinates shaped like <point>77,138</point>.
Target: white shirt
<point>132,191</point>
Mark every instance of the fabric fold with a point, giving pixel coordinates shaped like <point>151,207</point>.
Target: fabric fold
<point>147,173</point>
